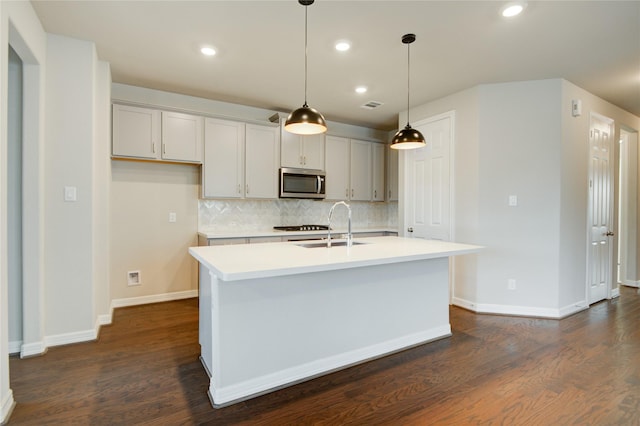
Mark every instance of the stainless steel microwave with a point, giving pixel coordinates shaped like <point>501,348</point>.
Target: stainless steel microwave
<point>302,183</point>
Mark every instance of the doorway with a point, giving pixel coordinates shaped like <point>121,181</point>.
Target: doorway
<point>600,210</point>
<point>628,194</point>
<point>428,196</point>
<point>14,200</point>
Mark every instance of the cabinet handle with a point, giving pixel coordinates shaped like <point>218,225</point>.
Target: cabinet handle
<point>153,147</point>
<point>351,192</point>
<point>346,192</point>
<point>304,160</point>
<point>389,194</point>
<point>375,193</point>
<point>164,149</point>
<point>247,188</point>
<point>301,160</point>
<point>239,189</point>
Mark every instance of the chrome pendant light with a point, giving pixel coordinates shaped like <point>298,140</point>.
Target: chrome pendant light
<point>305,120</point>
<point>408,138</point>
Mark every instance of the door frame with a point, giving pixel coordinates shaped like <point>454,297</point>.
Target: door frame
<point>402,213</point>
<point>612,189</point>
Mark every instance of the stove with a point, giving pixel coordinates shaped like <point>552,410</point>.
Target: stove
<point>302,228</point>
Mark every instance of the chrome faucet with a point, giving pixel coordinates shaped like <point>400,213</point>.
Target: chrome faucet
<point>349,237</point>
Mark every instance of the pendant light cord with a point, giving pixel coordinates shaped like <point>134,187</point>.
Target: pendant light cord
<point>408,80</point>
<point>305,55</point>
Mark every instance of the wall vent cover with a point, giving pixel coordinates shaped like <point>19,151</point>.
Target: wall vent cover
<point>371,105</point>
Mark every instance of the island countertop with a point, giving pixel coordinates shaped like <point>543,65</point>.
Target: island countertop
<point>247,261</point>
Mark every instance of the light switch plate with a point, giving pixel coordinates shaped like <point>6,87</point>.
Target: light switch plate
<point>70,193</point>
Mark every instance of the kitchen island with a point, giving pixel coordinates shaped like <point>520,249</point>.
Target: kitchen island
<point>275,314</point>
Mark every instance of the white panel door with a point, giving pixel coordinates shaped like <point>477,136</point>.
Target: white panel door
<point>428,194</point>
<point>600,253</point>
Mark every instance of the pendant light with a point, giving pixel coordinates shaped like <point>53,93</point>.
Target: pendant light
<point>408,138</point>
<point>305,120</point>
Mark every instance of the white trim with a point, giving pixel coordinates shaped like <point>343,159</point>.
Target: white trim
<point>14,347</point>
<point>630,283</point>
<point>6,407</point>
<point>67,338</point>
<point>33,349</point>
<point>521,311</point>
<point>154,298</point>
<point>615,293</point>
<point>222,396</point>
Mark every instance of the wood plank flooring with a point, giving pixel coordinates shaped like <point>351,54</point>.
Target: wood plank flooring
<point>144,369</point>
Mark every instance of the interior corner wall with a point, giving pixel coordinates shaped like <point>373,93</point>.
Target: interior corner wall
<point>520,141</point>
<point>68,163</point>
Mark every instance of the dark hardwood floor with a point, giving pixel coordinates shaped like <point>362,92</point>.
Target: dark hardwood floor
<point>144,369</point>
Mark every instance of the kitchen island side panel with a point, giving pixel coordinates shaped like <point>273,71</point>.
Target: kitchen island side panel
<point>275,331</point>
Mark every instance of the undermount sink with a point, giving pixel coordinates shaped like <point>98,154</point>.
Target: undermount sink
<point>333,244</point>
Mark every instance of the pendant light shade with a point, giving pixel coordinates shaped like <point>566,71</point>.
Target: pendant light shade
<point>305,120</point>
<point>408,138</point>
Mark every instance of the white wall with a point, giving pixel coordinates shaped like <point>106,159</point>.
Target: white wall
<point>520,139</point>
<point>141,237</point>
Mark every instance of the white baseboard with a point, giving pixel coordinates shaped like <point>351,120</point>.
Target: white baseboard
<point>630,283</point>
<point>154,298</point>
<point>222,396</point>
<point>88,335</point>
<point>15,347</point>
<point>6,407</point>
<point>33,349</point>
<point>615,293</point>
<point>521,311</point>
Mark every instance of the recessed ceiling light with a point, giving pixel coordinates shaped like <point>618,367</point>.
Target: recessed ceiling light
<point>361,89</point>
<point>208,51</point>
<point>513,9</point>
<point>343,46</point>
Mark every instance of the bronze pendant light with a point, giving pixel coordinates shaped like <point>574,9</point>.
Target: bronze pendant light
<point>305,120</point>
<point>408,138</point>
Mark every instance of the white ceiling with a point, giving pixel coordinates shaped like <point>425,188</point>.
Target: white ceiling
<point>260,44</point>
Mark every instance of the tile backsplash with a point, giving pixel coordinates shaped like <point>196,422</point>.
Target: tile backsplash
<point>245,215</point>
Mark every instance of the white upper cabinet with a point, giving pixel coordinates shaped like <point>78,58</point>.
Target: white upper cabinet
<point>136,132</point>
<point>377,171</point>
<point>223,166</point>
<point>360,170</point>
<point>262,153</point>
<point>302,152</point>
<point>392,174</point>
<point>150,134</point>
<point>182,136</point>
<point>337,168</point>
<point>240,160</point>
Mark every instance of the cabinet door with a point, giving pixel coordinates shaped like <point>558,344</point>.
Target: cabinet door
<point>290,148</point>
<point>223,165</point>
<point>261,161</point>
<point>337,168</point>
<point>360,170</point>
<point>392,174</point>
<point>181,137</point>
<point>377,171</point>
<point>136,132</point>
<point>313,151</point>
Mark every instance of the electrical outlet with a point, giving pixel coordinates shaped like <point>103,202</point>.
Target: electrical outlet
<point>511,284</point>
<point>172,217</point>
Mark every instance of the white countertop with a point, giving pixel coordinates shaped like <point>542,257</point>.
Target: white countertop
<point>246,261</point>
<point>216,234</point>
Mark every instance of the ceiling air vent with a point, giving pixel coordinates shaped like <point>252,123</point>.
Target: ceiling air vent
<point>371,105</point>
